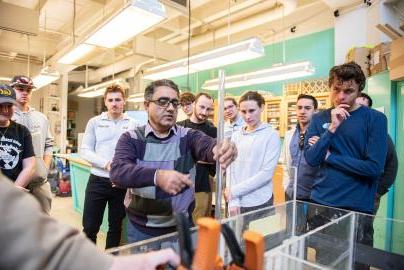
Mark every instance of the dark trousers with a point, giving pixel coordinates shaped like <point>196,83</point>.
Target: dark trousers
<point>99,191</point>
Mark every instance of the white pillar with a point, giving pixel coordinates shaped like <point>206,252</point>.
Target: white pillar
<point>63,111</point>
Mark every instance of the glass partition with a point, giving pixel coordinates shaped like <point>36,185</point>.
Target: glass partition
<point>303,235</point>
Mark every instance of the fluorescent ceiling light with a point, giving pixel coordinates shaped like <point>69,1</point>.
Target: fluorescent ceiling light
<point>136,17</point>
<point>98,89</point>
<point>272,74</point>
<point>45,77</point>
<point>138,97</point>
<point>76,54</point>
<point>5,79</point>
<point>234,53</point>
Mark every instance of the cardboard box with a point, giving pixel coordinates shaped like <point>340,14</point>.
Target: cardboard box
<point>380,58</point>
<point>397,60</point>
<point>361,56</point>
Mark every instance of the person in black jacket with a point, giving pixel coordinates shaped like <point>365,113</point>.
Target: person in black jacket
<point>391,164</point>
<point>202,108</point>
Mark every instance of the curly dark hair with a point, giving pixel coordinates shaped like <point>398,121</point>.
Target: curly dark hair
<point>346,72</point>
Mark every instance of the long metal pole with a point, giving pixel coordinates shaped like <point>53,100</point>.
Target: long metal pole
<point>220,136</point>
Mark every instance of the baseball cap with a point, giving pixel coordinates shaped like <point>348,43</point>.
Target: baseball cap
<point>23,81</point>
<point>7,94</point>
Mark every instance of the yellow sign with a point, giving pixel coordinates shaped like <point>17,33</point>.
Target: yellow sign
<point>5,92</point>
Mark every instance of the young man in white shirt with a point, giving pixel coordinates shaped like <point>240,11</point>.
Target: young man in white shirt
<point>98,148</point>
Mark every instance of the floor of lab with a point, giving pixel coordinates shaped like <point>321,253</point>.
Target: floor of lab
<point>63,211</point>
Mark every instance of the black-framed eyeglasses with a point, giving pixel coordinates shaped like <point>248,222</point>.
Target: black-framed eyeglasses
<point>165,102</point>
<point>301,140</point>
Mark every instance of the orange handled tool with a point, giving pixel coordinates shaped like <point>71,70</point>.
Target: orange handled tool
<point>253,259</point>
<point>205,257</point>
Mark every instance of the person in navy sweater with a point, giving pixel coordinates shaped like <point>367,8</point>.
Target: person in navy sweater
<point>348,143</point>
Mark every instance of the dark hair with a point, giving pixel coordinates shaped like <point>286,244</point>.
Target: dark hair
<point>115,88</point>
<point>304,96</point>
<point>370,101</point>
<point>187,97</point>
<point>202,94</point>
<point>253,95</point>
<point>347,72</point>
<point>232,99</point>
<point>149,91</point>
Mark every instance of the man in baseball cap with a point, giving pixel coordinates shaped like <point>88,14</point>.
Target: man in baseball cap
<point>20,81</point>
<point>7,95</point>
<point>17,160</point>
<point>42,139</point>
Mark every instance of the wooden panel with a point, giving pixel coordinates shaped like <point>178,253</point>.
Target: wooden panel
<point>277,180</point>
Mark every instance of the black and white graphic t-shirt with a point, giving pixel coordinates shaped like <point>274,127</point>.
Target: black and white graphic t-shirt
<point>15,145</point>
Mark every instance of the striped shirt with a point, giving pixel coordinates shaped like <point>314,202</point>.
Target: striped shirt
<point>138,155</point>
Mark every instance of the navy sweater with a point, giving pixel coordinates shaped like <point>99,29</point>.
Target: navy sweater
<point>349,176</point>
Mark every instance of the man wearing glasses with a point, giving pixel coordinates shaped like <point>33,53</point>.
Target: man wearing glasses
<point>42,139</point>
<point>293,150</point>
<point>234,121</point>
<point>187,100</point>
<point>203,108</point>
<point>157,163</point>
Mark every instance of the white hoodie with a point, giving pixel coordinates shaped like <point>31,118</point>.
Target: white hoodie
<point>250,175</point>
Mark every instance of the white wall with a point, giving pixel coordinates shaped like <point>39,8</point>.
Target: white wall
<point>350,31</point>
<point>357,27</point>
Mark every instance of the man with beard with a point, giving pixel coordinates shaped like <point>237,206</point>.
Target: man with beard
<point>203,108</point>
<point>17,159</point>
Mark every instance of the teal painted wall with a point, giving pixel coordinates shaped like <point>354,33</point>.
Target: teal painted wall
<point>382,91</point>
<point>390,95</point>
<point>398,210</point>
<point>317,48</point>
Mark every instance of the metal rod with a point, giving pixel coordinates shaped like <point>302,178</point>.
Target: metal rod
<point>294,209</point>
<point>220,136</point>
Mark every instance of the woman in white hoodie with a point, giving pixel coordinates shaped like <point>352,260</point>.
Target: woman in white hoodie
<point>249,177</point>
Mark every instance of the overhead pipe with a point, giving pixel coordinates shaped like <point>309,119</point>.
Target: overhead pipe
<point>287,7</point>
